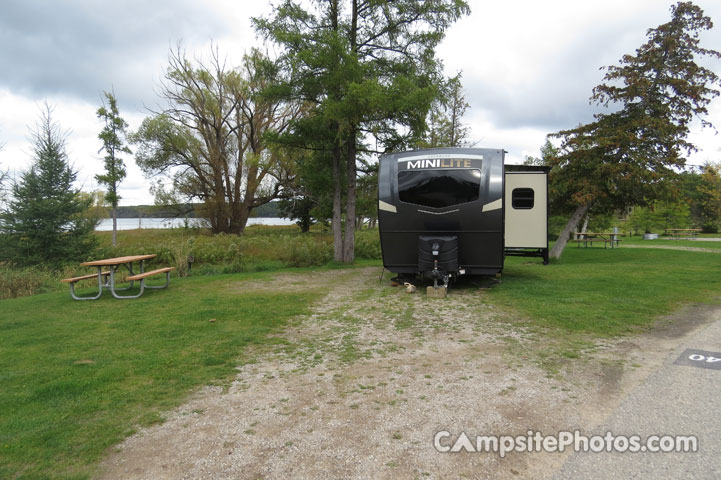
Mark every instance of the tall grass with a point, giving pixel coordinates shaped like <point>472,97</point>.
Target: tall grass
<point>257,245</point>
<point>20,282</point>
<point>259,248</point>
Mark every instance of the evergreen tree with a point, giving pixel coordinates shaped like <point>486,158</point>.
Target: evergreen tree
<point>445,126</point>
<point>113,137</point>
<point>631,156</point>
<point>367,69</point>
<point>709,197</point>
<point>43,222</point>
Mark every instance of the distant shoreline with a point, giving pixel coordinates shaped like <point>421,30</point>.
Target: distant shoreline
<point>106,224</point>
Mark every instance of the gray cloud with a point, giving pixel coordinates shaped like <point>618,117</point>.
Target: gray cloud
<point>79,48</point>
<point>553,98</point>
<point>556,95</point>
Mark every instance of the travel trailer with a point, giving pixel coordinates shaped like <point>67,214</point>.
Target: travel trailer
<point>459,211</point>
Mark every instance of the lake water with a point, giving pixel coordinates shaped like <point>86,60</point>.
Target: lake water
<point>106,224</point>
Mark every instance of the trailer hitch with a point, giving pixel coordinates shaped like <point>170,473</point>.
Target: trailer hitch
<point>436,273</point>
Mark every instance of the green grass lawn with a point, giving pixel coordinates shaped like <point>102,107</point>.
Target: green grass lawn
<point>670,242</point>
<point>608,291</point>
<point>77,377</point>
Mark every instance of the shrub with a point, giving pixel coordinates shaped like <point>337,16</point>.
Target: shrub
<point>368,244</point>
<point>20,282</point>
<point>304,251</point>
<point>710,227</point>
<point>180,252</point>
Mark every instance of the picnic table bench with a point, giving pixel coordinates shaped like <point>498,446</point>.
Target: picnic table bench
<point>587,238</point>
<point>679,233</point>
<point>107,279</point>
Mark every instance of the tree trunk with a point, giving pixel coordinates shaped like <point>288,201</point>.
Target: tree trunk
<point>585,223</point>
<point>242,221</point>
<point>115,226</point>
<point>573,222</point>
<point>336,223</point>
<point>349,240</point>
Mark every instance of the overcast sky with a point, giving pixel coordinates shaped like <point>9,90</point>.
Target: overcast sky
<point>528,66</point>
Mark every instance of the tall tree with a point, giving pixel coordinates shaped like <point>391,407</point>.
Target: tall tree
<point>708,195</point>
<point>309,197</point>
<point>44,222</point>
<point>369,70</point>
<point>210,140</point>
<point>445,127</point>
<point>629,156</point>
<point>113,136</point>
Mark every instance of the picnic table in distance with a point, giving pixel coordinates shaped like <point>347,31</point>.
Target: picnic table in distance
<point>107,270</point>
<point>678,233</point>
<point>587,238</point>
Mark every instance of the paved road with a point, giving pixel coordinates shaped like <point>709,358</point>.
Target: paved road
<point>675,400</point>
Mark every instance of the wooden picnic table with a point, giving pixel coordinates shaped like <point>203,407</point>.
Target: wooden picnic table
<point>587,238</point>
<point>107,279</point>
<point>117,261</point>
<point>677,233</point>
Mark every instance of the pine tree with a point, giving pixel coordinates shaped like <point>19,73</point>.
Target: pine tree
<point>113,137</point>
<point>43,222</point>
<point>368,69</point>
<point>445,126</point>
<point>631,156</point>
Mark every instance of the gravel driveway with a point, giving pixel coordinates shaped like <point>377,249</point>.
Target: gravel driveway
<point>360,388</point>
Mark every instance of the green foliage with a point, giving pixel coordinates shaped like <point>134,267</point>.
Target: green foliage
<point>710,227</point>
<point>641,220</point>
<point>113,136</point>
<point>305,252</point>
<point>368,244</point>
<point>21,282</point>
<point>260,248</point>
<point>299,208</point>
<point>181,251</point>
<point>367,192</point>
<point>364,69</point>
<point>555,225</point>
<point>600,222</point>
<point>672,214</point>
<point>98,207</point>
<point>708,198</point>
<point>444,124</point>
<point>45,222</point>
<point>659,216</point>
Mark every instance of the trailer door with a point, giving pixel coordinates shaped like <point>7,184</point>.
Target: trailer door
<point>526,205</point>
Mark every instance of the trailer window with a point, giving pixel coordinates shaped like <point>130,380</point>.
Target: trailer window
<point>522,198</point>
<point>439,188</point>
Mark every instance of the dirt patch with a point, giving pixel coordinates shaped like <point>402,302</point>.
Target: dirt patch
<point>673,247</point>
<point>684,321</point>
<point>369,378</point>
